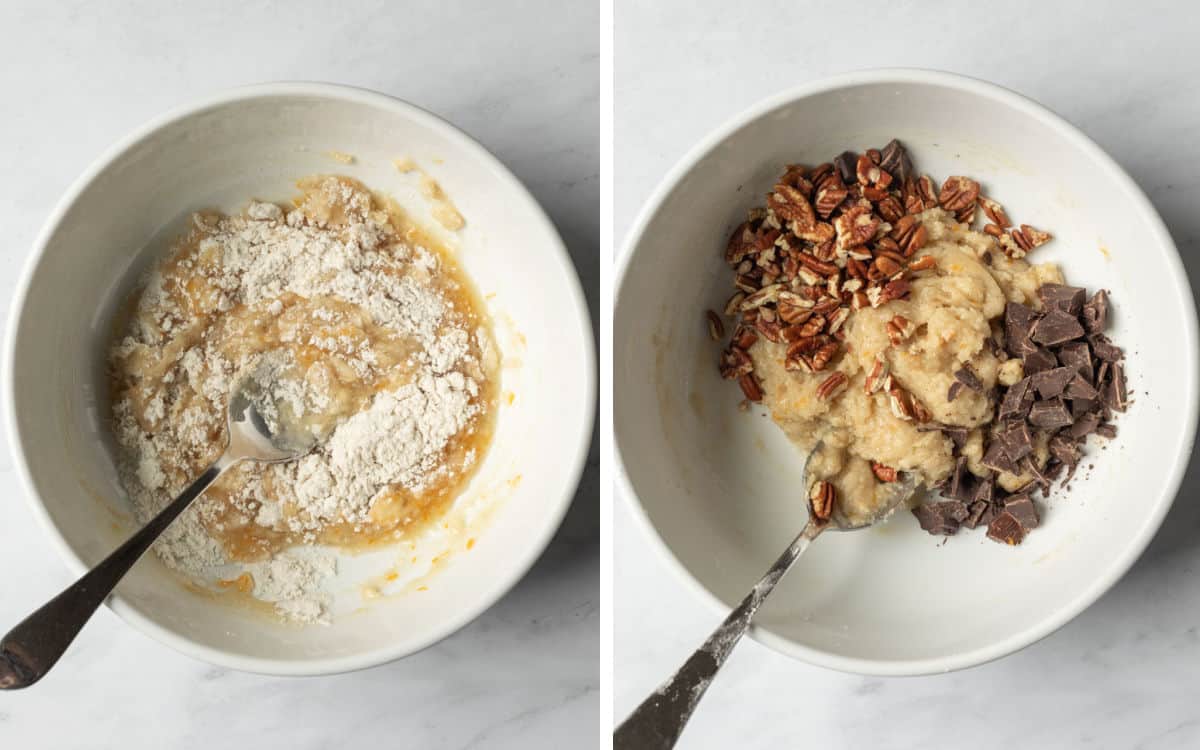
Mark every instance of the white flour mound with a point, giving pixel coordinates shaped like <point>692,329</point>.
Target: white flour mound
<point>398,439</point>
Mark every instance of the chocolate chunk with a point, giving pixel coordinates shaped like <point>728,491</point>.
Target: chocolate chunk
<point>1018,321</point>
<point>978,510</point>
<point>966,375</point>
<point>959,486</point>
<point>1067,298</point>
<point>1017,400</point>
<point>1050,414</point>
<point>1095,312</point>
<point>985,489</point>
<point>942,517</point>
<point>1102,368</point>
<point>1050,383</point>
<point>1054,470</point>
<point>957,435</point>
<point>1106,350</point>
<point>1076,355</point>
<point>847,164</point>
<point>1086,425</point>
<point>1021,507</point>
<point>894,160</point>
<point>955,388</point>
<point>1039,360</point>
<point>1065,449</point>
<point>1115,396</point>
<point>1080,389</point>
<point>1107,430</point>
<point>1017,440</point>
<point>996,458</point>
<point>1056,327</point>
<point>1030,467</point>
<point>1006,528</point>
<point>1082,406</point>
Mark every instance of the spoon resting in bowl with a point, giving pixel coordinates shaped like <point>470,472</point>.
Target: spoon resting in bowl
<point>259,429</point>
<point>657,723</point>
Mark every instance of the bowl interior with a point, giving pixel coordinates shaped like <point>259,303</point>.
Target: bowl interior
<point>722,489</point>
<point>257,144</point>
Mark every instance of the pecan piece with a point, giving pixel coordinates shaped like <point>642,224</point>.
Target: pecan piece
<point>822,357</point>
<point>820,499</point>
<point>767,294</point>
<point>832,386</point>
<point>1027,238</point>
<point>734,363</point>
<point>883,268</point>
<point>877,376</point>
<point>716,329</point>
<point>750,387</point>
<point>899,328</point>
<point>818,266</point>
<point>789,204</point>
<point>959,194</point>
<point>995,212</point>
<point>855,226</point>
<point>741,242</point>
<point>829,198</point>
<point>867,171</point>
<point>927,192</point>
<point>744,336</point>
<point>924,263</point>
<point>885,474</point>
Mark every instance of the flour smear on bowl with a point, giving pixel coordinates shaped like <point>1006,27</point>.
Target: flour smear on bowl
<point>375,338</point>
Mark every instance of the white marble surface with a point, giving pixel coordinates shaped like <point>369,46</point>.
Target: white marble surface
<point>523,79</point>
<point>1122,675</point>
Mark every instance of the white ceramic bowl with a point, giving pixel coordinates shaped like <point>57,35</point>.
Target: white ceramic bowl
<point>256,142</point>
<point>720,490</point>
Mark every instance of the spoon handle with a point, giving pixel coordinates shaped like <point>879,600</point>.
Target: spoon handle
<point>31,648</point>
<point>658,721</point>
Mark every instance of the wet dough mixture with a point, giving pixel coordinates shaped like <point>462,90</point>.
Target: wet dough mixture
<point>376,339</point>
<point>950,313</point>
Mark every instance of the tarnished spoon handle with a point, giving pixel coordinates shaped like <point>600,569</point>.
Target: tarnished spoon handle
<point>30,649</point>
<point>657,723</point>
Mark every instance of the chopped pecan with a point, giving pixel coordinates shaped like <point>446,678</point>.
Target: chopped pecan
<point>750,387</point>
<point>832,386</point>
<point>893,290</point>
<point>994,230</point>
<point>1027,238</point>
<point>890,208</point>
<point>899,328</point>
<point>716,329</point>
<point>771,330</point>
<point>855,226</point>
<point>734,303</point>
<point>829,198</point>
<point>927,192</point>
<point>883,473</point>
<point>995,212</point>
<point>924,263</point>
<point>838,319</point>
<point>899,402</point>
<point>867,171</point>
<point>744,336</point>
<point>789,204</point>
<point>877,376</point>
<point>822,356</point>
<point>734,363</point>
<point>816,265</point>
<point>767,294</point>
<point>803,346</point>
<point>884,267</point>
<point>820,499</point>
<point>959,194</point>
<point>741,242</point>
<point>814,325</point>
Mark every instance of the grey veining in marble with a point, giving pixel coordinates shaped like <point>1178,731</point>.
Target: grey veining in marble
<point>1125,673</point>
<point>523,78</point>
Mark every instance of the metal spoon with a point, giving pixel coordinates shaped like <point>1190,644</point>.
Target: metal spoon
<point>657,723</point>
<point>30,649</point>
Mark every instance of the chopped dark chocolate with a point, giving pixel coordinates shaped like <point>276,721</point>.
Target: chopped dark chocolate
<point>996,458</point>
<point>1051,383</point>
<point>1106,350</point>
<point>955,388</point>
<point>978,510</point>
<point>1030,467</point>
<point>1115,396</point>
<point>1067,298</point>
<point>966,375</point>
<point>1102,368</point>
<point>1065,449</point>
<point>1018,321</point>
<point>1079,388</point>
<point>1050,414</point>
<point>1016,440</point>
<point>1107,430</point>
<point>1039,360</point>
<point>1085,426</point>
<point>941,517</point>
<point>1095,312</point>
<point>985,489</point>
<point>1082,406</point>
<point>1006,528</point>
<point>846,163</point>
<point>959,486</point>
<point>1017,400</point>
<point>1076,355</point>
<point>1056,327</point>
<point>1021,507</point>
<point>894,160</point>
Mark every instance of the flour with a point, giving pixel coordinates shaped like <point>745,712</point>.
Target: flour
<point>346,326</point>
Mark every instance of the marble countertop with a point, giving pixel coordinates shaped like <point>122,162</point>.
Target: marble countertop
<point>1122,675</point>
<point>78,76</point>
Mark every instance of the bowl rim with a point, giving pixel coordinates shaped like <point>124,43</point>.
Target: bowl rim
<point>1191,355</point>
<point>514,190</point>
